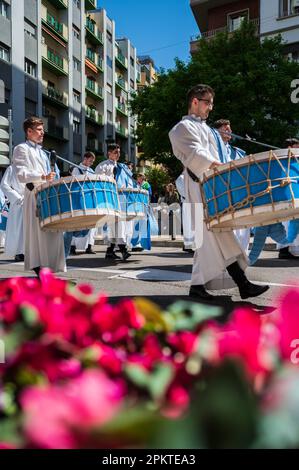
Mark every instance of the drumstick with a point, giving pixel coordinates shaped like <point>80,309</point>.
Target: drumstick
<point>248,139</point>
<point>53,160</point>
<point>67,161</point>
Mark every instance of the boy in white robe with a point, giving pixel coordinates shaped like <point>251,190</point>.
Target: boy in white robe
<point>194,145</point>
<point>14,191</point>
<point>32,167</point>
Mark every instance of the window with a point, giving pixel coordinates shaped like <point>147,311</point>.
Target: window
<point>109,62</point>
<point>288,8</point>
<point>132,83</point>
<point>109,116</point>
<point>76,126</point>
<point>77,64</point>
<point>76,32</point>
<point>29,28</point>
<point>77,96</point>
<point>30,108</point>
<point>132,61</point>
<point>30,68</point>
<point>4,53</point>
<point>236,19</point>
<point>109,88</point>
<point>109,36</point>
<point>3,8</point>
<point>76,3</point>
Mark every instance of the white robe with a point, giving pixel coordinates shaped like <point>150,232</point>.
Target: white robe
<point>14,191</point>
<point>194,145</point>
<point>188,233</point>
<point>81,243</point>
<point>44,249</point>
<point>117,230</point>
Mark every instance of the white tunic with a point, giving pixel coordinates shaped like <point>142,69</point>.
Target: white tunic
<point>194,145</point>
<point>44,249</point>
<point>186,214</point>
<point>81,243</point>
<point>14,191</point>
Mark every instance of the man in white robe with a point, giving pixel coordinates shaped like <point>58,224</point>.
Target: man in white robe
<point>31,164</point>
<point>84,243</point>
<point>194,145</point>
<point>14,191</point>
<point>117,231</point>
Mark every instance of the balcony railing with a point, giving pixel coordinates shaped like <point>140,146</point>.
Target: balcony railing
<point>54,61</point>
<point>91,55</point>
<point>90,4</point>
<point>121,59</point>
<point>213,32</point>
<point>53,94</point>
<point>94,89</point>
<point>291,12</point>
<point>59,4</point>
<point>94,115</point>
<point>121,82</point>
<point>57,132</point>
<point>121,130</point>
<point>93,34</point>
<point>121,107</point>
<point>51,22</point>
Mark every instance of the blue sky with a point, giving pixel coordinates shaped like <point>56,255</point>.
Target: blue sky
<point>152,25</point>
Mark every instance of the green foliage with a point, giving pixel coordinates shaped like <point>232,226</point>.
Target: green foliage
<point>158,178</point>
<point>252,81</point>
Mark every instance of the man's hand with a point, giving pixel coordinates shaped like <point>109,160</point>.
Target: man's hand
<point>214,165</point>
<point>50,176</point>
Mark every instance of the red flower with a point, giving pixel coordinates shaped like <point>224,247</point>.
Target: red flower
<point>288,325</point>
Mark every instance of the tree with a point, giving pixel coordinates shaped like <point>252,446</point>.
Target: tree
<point>252,81</point>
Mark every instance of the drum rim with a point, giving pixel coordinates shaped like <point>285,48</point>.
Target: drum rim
<point>259,157</point>
<point>133,190</point>
<point>79,213</point>
<point>73,179</point>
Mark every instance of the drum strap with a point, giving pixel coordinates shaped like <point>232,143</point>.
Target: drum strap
<point>192,176</point>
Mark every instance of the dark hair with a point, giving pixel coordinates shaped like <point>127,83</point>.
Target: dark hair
<point>32,123</point>
<point>140,174</point>
<point>89,155</point>
<point>112,147</point>
<point>221,122</point>
<point>291,142</point>
<point>198,91</point>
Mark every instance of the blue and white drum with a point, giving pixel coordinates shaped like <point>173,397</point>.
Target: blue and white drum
<point>77,202</point>
<point>3,219</point>
<point>134,203</point>
<point>256,190</point>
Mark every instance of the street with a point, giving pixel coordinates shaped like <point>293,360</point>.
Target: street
<point>163,276</point>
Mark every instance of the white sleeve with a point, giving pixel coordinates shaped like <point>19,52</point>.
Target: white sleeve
<point>76,172</point>
<point>24,171</point>
<point>11,194</point>
<point>188,148</point>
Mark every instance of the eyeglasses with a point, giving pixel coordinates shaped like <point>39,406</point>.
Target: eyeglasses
<point>208,102</point>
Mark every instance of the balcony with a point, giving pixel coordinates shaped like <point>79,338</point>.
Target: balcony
<point>53,61</point>
<point>59,29</point>
<point>59,4</point>
<point>213,32</point>
<point>90,4</point>
<point>121,130</point>
<point>121,82</point>
<point>93,145</point>
<point>56,97</point>
<point>121,60</point>
<point>56,132</point>
<point>94,90</point>
<point>121,108</point>
<point>93,115</point>
<point>92,33</point>
<point>138,77</point>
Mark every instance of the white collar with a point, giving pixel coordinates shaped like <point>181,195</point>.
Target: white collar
<point>194,117</point>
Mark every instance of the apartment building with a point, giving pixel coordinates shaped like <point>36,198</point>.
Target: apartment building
<point>214,16</point>
<point>60,60</point>
<point>281,17</point>
<point>148,71</point>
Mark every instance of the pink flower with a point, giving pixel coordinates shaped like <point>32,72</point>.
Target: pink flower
<point>183,342</point>
<point>55,416</point>
<point>288,323</point>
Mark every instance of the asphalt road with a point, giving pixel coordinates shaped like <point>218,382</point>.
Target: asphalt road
<point>163,276</point>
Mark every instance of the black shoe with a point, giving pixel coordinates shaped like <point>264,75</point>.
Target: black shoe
<point>285,254</point>
<point>125,255</point>
<point>199,292</point>
<point>89,251</point>
<point>249,289</point>
<point>37,270</point>
<point>73,250</point>
<point>137,248</point>
<point>19,258</point>
<point>111,255</point>
<point>188,250</point>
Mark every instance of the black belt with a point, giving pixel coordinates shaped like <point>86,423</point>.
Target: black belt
<point>192,176</point>
<point>30,186</point>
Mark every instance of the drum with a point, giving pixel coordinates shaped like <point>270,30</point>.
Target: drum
<point>256,190</point>
<point>134,203</point>
<point>77,202</point>
<point>3,220</point>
